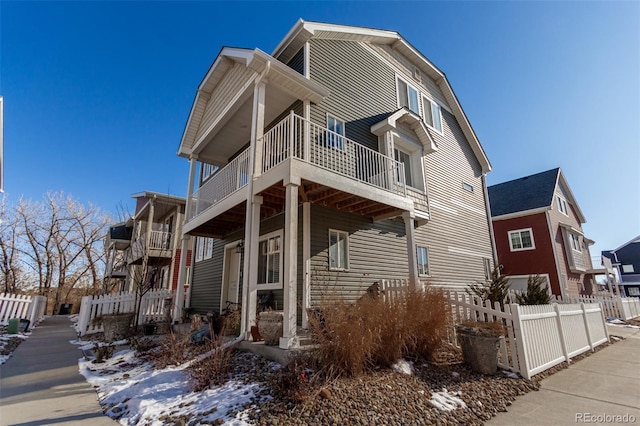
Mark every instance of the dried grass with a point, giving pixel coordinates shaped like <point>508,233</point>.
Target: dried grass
<point>213,370</point>
<point>352,338</point>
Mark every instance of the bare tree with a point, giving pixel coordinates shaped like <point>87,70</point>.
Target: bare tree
<point>10,269</point>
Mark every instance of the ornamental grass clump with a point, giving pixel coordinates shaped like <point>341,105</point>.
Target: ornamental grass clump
<point>376,332</point>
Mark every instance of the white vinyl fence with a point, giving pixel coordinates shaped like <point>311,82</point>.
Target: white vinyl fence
<point>537,337</point>
<point>152,308</point>
<point>22,306</point>
<point>623,308</point>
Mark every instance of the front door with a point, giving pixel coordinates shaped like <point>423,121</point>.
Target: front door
<point>232,277</point>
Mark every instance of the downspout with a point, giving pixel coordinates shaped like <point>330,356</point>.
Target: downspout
<point>485,192</point>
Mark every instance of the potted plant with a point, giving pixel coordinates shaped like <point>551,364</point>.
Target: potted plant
<point>480,342</point>
<point>270,326</point>
<point>116,325</point>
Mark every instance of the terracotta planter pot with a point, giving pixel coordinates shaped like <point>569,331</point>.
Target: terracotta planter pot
<point>116,326</point>
<point>270,327</point>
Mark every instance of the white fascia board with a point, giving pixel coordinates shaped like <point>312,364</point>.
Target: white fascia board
<point>573,200</point>
<point>292,34</point>
<point>521,213</point>
<point>571,229</point>
<point>415,122</point>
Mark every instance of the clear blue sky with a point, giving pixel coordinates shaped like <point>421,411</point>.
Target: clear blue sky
<point>97,94</point>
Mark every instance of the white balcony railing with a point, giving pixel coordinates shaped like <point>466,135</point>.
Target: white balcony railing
<point>332,151</point>
<point>159,240</point>
<point>225,182</point>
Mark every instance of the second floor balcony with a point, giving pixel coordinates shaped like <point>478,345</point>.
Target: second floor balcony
<point>156,245</point>
<point>314,154</point>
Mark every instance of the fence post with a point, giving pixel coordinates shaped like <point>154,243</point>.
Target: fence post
<point>523,361</point>
<point>84,314</point>
<point>586,325</point>
<point>563,343</point>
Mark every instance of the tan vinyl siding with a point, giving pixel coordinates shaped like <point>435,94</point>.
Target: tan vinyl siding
<point>297,62</point>
<point>457,235</point>
<point>376,251</point>
<point>222,95</point>
<point>362,87</point>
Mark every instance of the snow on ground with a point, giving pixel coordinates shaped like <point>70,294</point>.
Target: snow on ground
<point>619,323</point>
<point>133,392</point>
<point>447,401</point>
<point>6,343</point>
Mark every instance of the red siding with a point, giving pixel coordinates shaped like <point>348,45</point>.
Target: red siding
<point>526,262</point>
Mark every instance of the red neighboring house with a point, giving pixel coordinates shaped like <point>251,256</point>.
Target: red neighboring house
<point>537,227</point>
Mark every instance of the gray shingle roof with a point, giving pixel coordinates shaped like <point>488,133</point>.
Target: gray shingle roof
<point>526,193</point>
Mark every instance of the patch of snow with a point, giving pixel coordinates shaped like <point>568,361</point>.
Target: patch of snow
<point>4,358</point>
<point>403,366</point>
<point>132,392</point>
<point>455,374</point>
<point>446,401</point>
<point>623,325</point>
<point>510,374</point>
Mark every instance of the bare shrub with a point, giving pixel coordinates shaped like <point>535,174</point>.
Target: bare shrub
<point>173,350</point>
<point>215,369</point>
<point>295,382</point>
<point>352,338</point>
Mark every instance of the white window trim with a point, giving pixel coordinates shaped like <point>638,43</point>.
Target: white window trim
<point>340,146</point>
<point>207,171</point>
<point>419,94</point>
<point>467,186</point>
<point>424,112</point>
<point>428,274</point>
<point>278,285</point>
<point>416,156</point>
<point>562,203</point>
<point>533,243</point>
<point>574,242</point>
<point>346,268</point>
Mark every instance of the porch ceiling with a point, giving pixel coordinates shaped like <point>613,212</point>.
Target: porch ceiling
<point>230,137</point>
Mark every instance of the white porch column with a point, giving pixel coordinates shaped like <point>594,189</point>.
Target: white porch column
<point>257,126</point>
<point>289,338</point>
<point>306,261</point>
<point>178,303</point>
<point>147,237</point>
<point>250,292</point>
<point>411,250</point>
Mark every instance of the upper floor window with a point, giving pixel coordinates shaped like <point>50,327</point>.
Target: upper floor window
<point>207,171</point>
<point>336,139</point>
<point>270,260</point>
<point>521,239</point>
<point>422,255</point>
<point>338,250</point>
<point>432,114</point>
<point>404,158</point>
<point>562,205</point>
<point>575,242</point>
<point>204,248</point>
<point>408,96</point>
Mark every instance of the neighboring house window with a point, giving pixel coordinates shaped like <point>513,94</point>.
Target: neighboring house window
<point>575,242</point>
<point>487,267</point>
<point>627,269</point>
<point>336,139</point>
<point>338,250</point>
<point>562,205</point>
<point>404,158</point>
<point>270,260</point>
<point>408,96</point>
<point>423,260</point>
<point>521,239</point>
<point>432,114</point>
<point>204,248</point>
<point>207,171</point>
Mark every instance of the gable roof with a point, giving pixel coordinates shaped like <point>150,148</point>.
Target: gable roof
<point>635,240</point>
<point>526,193</point>
<point>529,193</point>
<point>302,31</point>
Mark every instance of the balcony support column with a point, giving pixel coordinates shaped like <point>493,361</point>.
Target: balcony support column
<point>257,126</point>
<point>147,237</point>
<point>306,261</point>
<point>179,299</point>
<point>289,338</point>
<point>250,271</point>
<point>411,250</point>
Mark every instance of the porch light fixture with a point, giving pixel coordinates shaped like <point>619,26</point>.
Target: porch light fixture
<point>240,247</point>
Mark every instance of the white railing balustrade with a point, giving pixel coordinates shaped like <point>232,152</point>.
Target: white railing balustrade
<point>224,182</point>
<point>160,240</point>
<point>331,151</point>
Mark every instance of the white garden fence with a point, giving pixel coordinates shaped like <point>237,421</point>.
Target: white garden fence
<point>537,337</point>
<point>623,308</point>
<point>153,307</point>
<point>22,306</point>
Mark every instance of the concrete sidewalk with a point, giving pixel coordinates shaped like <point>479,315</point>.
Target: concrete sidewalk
<point>41,384</point>
<point>607,383</point>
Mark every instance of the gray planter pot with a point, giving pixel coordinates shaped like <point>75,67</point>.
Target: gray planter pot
<point>116,326</point>
<point>270,327</point>
<point>479,352</point>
